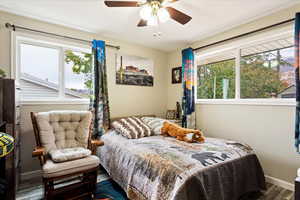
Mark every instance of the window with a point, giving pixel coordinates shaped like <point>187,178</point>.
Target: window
<point>78,74</point>
<point>268,75</point>
<point>39,71</point>
<point>216,80</point>
<point>256,70</point>
<point>52,71</point>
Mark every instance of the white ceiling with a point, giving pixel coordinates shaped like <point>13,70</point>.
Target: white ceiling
<point>209,17</point>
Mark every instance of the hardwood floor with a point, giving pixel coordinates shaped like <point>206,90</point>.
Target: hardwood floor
<point>273,192</point>
<point>33,190</point>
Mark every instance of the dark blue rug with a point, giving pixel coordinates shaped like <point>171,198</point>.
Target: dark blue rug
<point>109,190</point>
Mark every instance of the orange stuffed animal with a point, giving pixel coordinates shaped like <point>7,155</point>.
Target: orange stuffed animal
<point>183,134</point>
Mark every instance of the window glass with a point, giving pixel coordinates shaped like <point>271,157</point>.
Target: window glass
<point>78,76</point>
<point>269,74</point>
<point>216,80</point>
<point>39,67</point>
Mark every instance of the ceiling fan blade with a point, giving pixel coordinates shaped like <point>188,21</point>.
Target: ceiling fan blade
<point>121,3</point>
<point>167,2</point>
<point>178,16</point>
<point>142,23</point>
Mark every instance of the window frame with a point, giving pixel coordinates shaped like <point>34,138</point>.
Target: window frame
<point>238,100</point>
<point>17,39</point>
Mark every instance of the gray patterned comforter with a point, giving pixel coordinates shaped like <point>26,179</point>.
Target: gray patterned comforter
<point>163,168</point>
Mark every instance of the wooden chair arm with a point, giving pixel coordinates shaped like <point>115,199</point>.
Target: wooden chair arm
<point>94,144</point>
<point>97,143</point>
<point>38,151</point>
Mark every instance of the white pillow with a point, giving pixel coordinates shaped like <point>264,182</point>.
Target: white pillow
<point>63,155</point>
<point>154,123</point>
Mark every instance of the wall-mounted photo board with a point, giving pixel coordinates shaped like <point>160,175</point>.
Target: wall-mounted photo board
<point>134,70</point>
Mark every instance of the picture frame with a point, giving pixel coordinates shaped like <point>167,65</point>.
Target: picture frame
<point>176,75</point>
<point>134,70</point>
<point>171,114</point>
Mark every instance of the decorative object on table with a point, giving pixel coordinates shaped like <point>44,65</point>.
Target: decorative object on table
<point>171,114</point>
<point>188,84</point>
<point>99,104</point>
<point>182,134</point>
<point>178,110</point>
<point>2,73</point>
<point>297,81</point>
<point>84,169</point>
<point>176,75</point>
<point>6,146</point>
<point>134,70</point>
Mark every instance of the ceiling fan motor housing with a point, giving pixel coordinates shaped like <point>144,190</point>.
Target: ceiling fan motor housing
<point>153,11</point>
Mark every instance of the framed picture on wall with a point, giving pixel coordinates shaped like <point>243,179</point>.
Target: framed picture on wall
<point>134,70</point>
<point>176,75</point>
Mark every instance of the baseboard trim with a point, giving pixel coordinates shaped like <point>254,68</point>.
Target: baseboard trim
<point>31,175</point>
<point>279,182</point>
<point>289,186</point>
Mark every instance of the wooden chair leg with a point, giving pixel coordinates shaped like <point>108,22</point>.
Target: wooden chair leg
<point>91,177</point>
<point>51,189</point>
<point>48,189</point>
<point>94,183</point>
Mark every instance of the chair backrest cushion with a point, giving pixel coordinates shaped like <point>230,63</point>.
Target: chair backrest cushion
<point>63,129</point>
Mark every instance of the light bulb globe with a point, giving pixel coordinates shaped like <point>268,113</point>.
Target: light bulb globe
<point>152,21</point>
<point>146,12</point>
<point>163,15</point>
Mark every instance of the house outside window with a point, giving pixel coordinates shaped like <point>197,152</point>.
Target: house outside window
<point>262,71</point>
<point>51,71</point>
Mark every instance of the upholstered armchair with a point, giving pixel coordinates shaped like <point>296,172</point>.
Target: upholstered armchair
<point>66,152</point>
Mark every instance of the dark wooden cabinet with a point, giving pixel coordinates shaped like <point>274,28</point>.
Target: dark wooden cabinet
<point>9,121</point>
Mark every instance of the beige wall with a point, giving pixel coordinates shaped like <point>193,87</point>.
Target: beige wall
<point>124,100</point>
<point>268,129</point>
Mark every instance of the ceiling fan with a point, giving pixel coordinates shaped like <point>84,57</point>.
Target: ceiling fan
<point>153,12</point>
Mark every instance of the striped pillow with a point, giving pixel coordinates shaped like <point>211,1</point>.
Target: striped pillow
<point>132,128</point>
<point>154,123</point>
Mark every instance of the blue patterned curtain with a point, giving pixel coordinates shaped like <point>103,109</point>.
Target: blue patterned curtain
<point>188,84</point>
<point>297,64</point>
<point>99,103</point>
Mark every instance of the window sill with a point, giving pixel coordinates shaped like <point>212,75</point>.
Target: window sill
<point>259,102</point>
<point>55,102</point>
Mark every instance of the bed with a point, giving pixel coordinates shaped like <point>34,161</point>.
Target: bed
<point>163,168</point>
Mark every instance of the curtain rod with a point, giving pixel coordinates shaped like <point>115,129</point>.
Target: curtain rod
<point>14,27</point>
<point>245,34</point>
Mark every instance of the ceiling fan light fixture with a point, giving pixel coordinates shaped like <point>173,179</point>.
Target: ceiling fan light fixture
<point>163,15</point>
<point>146,12</point>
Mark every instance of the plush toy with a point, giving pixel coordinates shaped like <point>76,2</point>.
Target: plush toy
<point>183,134</point>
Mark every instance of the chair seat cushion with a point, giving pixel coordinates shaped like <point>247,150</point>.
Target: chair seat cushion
<point>52,169</point>
<point>63,155</point>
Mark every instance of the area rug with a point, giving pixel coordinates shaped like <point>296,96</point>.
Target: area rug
<point>109,190</point>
